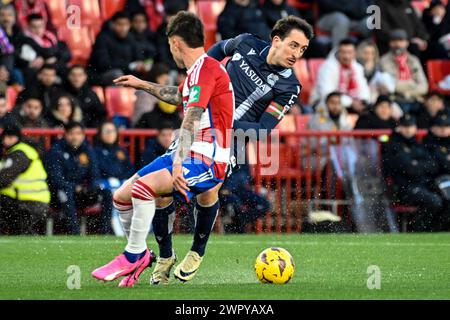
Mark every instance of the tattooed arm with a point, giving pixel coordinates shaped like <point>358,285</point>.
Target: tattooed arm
<point>169,94</point>
<point>188,131</point>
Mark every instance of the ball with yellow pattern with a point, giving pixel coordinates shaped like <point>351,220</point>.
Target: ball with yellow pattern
<point>274,265</point>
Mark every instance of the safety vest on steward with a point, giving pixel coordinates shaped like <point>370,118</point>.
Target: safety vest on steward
<point>30,185</point>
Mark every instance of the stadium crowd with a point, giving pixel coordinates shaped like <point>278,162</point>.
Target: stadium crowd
<point>366,78</point>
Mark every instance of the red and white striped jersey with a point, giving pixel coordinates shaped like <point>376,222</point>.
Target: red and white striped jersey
<point>208,86</point>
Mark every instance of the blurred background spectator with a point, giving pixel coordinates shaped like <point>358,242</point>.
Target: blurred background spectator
<point>275,10</point>
<point>436,19</point>
<point>156,147</point>
<point>64,110</point>
<point>379,116</point>
<point>432,106</point>
<point>411,82</point>
<point>25,8</point>
<point>94,112</point>
<point>341,72</point>
<point>242,16</point>
<point>23,205</point>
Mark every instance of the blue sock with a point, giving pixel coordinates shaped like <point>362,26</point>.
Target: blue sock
<point>206,216</point>
<point>133,257</point>
<point>162,228</point>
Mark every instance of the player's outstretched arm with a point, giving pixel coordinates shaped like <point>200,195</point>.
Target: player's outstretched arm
<point>169,94</point>
<point>188,131</point>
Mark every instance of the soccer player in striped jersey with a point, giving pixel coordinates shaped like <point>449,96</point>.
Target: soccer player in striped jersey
<point>195,163</point>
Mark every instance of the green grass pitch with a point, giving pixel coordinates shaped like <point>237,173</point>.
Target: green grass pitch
<point>412,266</point>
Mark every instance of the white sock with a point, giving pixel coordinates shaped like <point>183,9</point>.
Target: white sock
<point>125,221</point>
<point>143,212</point>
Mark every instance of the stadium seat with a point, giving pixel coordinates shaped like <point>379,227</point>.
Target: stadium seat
<point>301,121</point>
<point>100,93</point>
<point>120,101</point>
<point>58,12</point>
<point>437,70</point>
<point>109,7</point>
<point>89,9</point>
<point>302,73</point>
<point>11,97</point>
<point>313,66</point>
<point>208,12</point>
<point>78,41</point>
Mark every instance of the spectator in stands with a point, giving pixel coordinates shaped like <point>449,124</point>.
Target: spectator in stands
<point>73,178</point>
<point>432,106</point>
<point>30,114</point>
<point>400,14</point>
<point>331,115</point>
<point>275,10</point>
<point>341,72</point>
<point>437,21</point>
<point>163,54</point>
<point>6,51</point>
<point>154,10</point>
<point>248,205</point>
<point>24,193</point>
<point>41,46</point>
<point>379,116</point>
<point>144,38</point>
<point>242,16</point>
<point>115,52</point>
<point>94,112</point>
<point>156,147</point>
<point>27,7</point>
<point>412,169</point>
<point>113,161</point>
<point>5,116</point>
<point>64,110</point>
<point>45,88</point>
<point>146,102</point>
<point>411,82</point>
<point>162,112</point>
<point>438,144</point>
<point>340,17</point>
<point>14,34</point>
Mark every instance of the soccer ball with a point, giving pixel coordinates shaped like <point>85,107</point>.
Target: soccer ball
<point>274,265</point>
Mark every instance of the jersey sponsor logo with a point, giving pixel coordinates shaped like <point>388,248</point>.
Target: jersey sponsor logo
<point>236,57</point>
<point>272,79</point>
<point>252,52</point>
<point>252,75</point>
<point>194,94</point>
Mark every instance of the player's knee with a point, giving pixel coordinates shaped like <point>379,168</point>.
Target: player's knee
<point>142,191</point>
<point>208,198</point>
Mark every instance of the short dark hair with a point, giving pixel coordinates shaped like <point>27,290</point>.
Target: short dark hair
<point>346,42</point>
<point>72,125</point>
<point>120,15</point>
<point>138,13</point>
<point>187,26</point>
<point>76,66</point>
<point>284,26</point>
<point>433,93</point>
<point>157,70</point>
<point>34,16</point>
<point>333,94</point>
<point>47,67</point>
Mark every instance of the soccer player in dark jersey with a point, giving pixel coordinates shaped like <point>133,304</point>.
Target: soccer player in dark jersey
<point>265,88</point>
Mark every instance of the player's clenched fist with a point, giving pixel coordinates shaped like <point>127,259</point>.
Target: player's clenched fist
<point>130,81</point>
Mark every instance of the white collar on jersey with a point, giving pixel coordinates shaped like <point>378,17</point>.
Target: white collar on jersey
<point>196,62</point>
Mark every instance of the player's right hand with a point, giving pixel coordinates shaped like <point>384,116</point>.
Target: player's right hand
<point>129,81</point>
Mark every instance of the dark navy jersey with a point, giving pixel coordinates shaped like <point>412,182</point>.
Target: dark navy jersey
<point>258,87</point>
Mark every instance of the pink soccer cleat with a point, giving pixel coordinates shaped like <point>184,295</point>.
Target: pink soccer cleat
<point>120,266</point>
<point>132,278</point>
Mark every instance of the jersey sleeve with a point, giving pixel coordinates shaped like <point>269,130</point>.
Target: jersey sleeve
<point>201,87</point>
<point>226,48</point>
<point>282,102</point>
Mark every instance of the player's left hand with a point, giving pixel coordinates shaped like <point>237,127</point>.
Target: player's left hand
<point>179,182</point>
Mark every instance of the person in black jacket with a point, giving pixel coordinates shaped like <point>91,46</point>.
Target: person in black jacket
<point>163,112</point>
<point>433,105</point>
<point>339,17</point>
<point>412,169</point>
<point>94,112</point>
<point>379,117</point>
<point>242,16</point>
<point>438,144</point>
<point>144,37</point>
<point>275,10</point>
<point>436,19</point>
<point>74,178</point>
<point>115,52</point>
<point>156,147</point>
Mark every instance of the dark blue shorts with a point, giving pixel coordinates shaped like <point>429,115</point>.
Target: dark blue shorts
<point>200,176</point>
